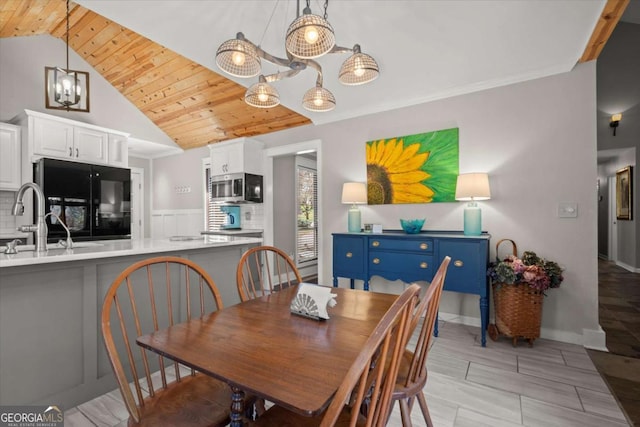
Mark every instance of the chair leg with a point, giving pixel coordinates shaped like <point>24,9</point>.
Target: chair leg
<point>425,411</point>
<point>405,413</point>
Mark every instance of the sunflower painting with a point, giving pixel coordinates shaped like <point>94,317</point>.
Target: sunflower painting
<point>419,168</point>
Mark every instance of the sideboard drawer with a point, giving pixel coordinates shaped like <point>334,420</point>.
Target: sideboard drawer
<point>395,265</point>
<point>418,245</point>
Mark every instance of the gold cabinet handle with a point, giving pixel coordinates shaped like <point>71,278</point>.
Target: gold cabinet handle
<point>424,246</point>
<point>349,255</point>
<point>376,260</point>
<point>375,244</point>
<point>423,265</point>
<point>458,263</point>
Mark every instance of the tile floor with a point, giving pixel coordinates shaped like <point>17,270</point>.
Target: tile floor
<point>619,298</point>
<point>550,384</point>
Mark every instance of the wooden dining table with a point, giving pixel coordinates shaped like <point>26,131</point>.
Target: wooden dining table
<point>260,347</point>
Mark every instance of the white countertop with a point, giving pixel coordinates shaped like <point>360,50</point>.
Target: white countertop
<point>232,232</point>
<point>117,248</point>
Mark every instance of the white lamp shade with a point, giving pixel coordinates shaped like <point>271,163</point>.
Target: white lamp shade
<point>473,186</point>
<point>354,193</point>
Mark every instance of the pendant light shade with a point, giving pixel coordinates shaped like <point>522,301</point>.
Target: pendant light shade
<point>238,57</point>
<point>64,87</point>
<point>309,36</point>
<point>262,95</point>
<point>318,99</point>
<point>358,69</point>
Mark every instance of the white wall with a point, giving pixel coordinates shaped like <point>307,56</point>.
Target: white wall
<point>536,139</point>
<point>22,62</point>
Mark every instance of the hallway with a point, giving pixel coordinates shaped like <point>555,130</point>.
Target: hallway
<point>619,302</point>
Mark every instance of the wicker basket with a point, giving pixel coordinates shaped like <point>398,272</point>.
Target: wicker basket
<point>518,308</point>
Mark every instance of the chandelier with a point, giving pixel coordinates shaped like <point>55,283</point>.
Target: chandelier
<point>64,86</point>
<point>309,36</point>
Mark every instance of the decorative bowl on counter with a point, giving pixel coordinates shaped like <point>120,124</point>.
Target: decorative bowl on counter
<point>412,226</point>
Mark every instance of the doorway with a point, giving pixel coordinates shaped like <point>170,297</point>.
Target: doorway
<point>273,182</point>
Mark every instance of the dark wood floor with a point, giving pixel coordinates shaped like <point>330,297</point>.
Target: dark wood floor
<point>619,309</point>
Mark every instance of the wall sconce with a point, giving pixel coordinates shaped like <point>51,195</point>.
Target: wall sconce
<point>615,120</point>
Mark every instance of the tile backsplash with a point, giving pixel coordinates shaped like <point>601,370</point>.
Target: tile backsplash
<point>252,216</point>
<point>7,221</point>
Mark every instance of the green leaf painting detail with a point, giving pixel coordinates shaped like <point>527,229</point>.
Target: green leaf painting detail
<point>420,168</point>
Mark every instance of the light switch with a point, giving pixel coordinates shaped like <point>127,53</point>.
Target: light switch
<point>567,210</point>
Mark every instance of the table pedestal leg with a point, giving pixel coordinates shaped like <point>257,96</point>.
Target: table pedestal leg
<point>237,407</point>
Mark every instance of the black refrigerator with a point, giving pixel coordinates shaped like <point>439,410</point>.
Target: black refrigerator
<point>94,201</point>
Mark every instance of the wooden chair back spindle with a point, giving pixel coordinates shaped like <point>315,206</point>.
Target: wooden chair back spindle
<point>263,270</point>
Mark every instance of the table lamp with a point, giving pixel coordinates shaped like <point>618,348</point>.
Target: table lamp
<point>471,187</point>
<point>354,193</point>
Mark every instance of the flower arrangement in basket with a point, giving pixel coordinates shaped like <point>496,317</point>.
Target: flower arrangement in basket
<point>540,274</point>
<point>518,292</point>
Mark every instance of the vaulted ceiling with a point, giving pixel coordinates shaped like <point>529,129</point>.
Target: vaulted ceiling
<point>190,103</point>
<point>195,106</point>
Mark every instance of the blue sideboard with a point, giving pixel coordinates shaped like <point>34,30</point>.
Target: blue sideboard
<point>395,255</point>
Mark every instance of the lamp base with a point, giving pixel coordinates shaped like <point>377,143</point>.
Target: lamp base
<point>472,220</point>
<point>354,219</point>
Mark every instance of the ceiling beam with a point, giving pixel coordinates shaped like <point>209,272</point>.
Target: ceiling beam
<point>611,14</point>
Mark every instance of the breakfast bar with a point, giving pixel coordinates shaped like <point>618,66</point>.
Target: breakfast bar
<point>50,303</point>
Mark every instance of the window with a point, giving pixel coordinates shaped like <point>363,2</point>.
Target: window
<point>214,217</point>
<point>306,214</point>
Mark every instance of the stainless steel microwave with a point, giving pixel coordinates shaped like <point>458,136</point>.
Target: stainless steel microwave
<point>236,188</point>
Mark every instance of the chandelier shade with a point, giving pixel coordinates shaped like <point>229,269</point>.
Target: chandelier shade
<point>358,69</point>
<point>238,57</point>
<point>309,36</point>
<point>318,99</point>
<point>262,95</point>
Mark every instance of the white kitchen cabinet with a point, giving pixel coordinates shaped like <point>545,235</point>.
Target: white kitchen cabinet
<point>10,166</point>
<point>118,154</point>
<point>55,137</point>
<point>51,138</point>
<point>240,155</point>
<point>90,145</point>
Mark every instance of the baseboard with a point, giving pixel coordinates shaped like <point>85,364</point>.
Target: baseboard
<point>627,267</point>
<point>590,338</point>
<point>595,339</point>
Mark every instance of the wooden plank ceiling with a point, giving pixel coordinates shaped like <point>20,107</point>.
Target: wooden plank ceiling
<point>190,103</point>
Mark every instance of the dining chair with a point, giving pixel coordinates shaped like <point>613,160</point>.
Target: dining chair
<point>147,296</point>
<point>263,270</point>
<point>364,396</point>
<point>412,375</point>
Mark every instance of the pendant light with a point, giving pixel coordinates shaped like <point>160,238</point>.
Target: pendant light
<point>309,37</point>
<point>64,86</point>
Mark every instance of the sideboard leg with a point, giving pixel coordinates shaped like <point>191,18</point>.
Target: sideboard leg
<point>335,282</point>
<point>435,326</point>
<point>484,319</point>
<point>352,282</point>
<point>366,285</point>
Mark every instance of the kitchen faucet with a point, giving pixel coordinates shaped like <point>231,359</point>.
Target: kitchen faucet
<point>39,229</point>
<point>68,243</point>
